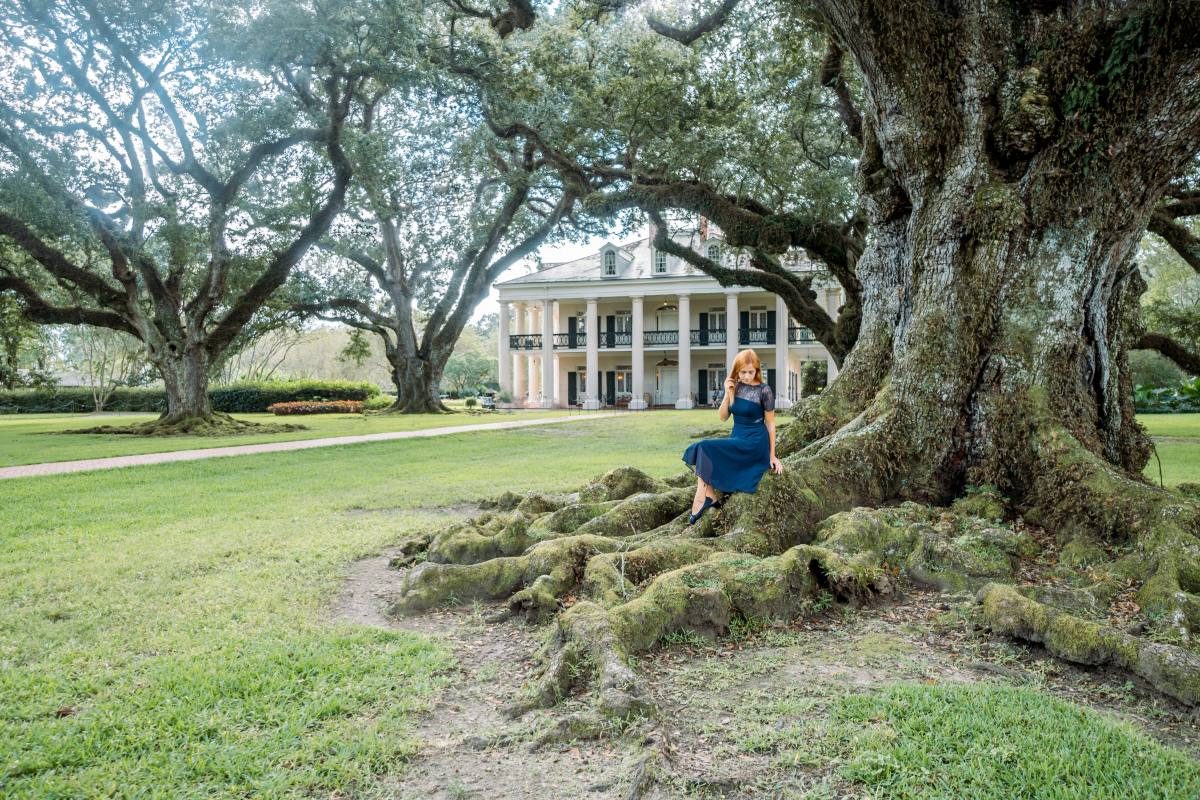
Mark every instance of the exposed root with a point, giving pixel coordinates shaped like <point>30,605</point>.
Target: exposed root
<point>617,571</point>
<point>1172,670</point>
<point>1081,496</point>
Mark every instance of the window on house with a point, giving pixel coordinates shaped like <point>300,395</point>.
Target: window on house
<point>660,261</point>
<point>714,252</point>
<point>623,322</point>
<point>758,317</point>
<point>624,376</point>
<point>610,263</point>
<point>716,320</point>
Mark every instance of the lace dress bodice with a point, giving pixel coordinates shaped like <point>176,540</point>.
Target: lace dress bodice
<point>760,394</point>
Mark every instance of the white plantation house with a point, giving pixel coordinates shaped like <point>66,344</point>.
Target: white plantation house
<point>665,334</point>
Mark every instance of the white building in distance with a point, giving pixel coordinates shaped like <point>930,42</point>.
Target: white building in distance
<point>666,334</point>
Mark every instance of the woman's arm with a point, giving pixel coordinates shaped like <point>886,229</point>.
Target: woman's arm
<point>727,400</point>
<point>769,421</point>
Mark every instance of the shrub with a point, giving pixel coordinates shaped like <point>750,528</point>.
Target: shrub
<point>379,402</point>
<point>317,407</point>
<point>1182,398</point>
<point>471,402</point>
<point>246,397</point>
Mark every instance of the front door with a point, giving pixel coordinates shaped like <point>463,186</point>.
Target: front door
<point>666,388</point>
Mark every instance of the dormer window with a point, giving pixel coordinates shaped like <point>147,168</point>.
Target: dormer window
<point>610,263</point>
<point>714,252</point>
<point>660,262</point>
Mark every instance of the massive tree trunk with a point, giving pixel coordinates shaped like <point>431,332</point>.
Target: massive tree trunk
<point>417,379</point>
<point>185,377</point>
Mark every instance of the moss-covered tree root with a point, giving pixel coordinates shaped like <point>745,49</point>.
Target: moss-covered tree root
<point>217,424</point>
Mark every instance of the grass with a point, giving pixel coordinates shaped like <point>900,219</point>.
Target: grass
<point>36,438</point>
<point>1180,453</point>
<point>993,742</point>
<point>163,629</point>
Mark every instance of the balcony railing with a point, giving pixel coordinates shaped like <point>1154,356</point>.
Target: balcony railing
<point>570,340</point>
<point>800,336</point>
<point>698,337</point>
<point>525,341</point>
<point>708,336</point>
<point>616,339</point>
<point>756,336</point>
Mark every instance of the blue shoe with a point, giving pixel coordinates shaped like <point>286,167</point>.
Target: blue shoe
<point>708,501</point>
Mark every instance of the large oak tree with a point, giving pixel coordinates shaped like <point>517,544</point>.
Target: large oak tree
<point>165,170</point>
<point>1011,155</point>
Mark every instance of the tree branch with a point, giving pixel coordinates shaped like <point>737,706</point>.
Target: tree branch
<point>1179,237</point>
<point>1185,359</point>
<point>686,36</point>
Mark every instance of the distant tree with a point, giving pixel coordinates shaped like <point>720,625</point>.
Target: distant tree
<point>106,359</point>
<point>466,371</point>
<point>441,209</point>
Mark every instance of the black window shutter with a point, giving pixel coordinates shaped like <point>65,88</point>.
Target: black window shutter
<point>611,326</point>
<point>771,381</point>
<point>572,330</point>
<point>572,390</point>
<point>611,385</point>
<point>744,327</point>
<point>704,328</point>
<point>770,327</point>
<point>702,385</point>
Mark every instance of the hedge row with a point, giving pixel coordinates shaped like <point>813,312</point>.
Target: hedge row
<point>317,407</point>
<point>236,397</point>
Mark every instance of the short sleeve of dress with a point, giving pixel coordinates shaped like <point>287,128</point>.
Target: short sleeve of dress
<point>768,397</point>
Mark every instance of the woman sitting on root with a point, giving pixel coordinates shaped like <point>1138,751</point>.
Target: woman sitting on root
<point>736,463</point>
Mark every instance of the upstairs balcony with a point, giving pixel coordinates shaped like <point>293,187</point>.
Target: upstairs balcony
<point>698,337</point>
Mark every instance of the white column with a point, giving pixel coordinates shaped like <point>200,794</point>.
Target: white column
<point>638,402</point>
<point>547,356</point>
<point>685,353</point>
<point>832,369</point>
<point>505,365</point>
<point>731,325</point>
<point>520,363</point>
<point>592,398</point>
<point>531,390</point>
<point>781,354</point>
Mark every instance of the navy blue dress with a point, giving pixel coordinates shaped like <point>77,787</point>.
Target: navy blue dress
<point>737,462</point>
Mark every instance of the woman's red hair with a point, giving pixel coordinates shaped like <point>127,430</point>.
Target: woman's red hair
<point>746,358</point>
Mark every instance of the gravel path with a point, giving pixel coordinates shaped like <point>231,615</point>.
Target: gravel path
<point>56,467</point>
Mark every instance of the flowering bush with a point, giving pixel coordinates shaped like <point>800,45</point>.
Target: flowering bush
<point>317,407</point>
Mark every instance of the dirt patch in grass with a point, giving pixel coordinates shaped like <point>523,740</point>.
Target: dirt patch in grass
<point>746,717</point>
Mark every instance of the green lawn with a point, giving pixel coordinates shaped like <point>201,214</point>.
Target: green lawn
<point>35,438</point>
<point>161,627</point>
<point>164,633</point>
<point>1178,450</point>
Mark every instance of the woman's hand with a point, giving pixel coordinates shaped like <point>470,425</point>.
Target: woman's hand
<point>776,465</point>
<point>730,387</point>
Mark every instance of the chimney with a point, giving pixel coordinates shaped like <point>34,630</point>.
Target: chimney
<point>703,228</point>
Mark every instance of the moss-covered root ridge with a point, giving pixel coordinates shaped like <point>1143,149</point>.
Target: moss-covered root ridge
<point>217,424</point>
<point>592,645</point>
<point>550,569</point>
<point>1078,493</point>
<point>1172,670</point>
